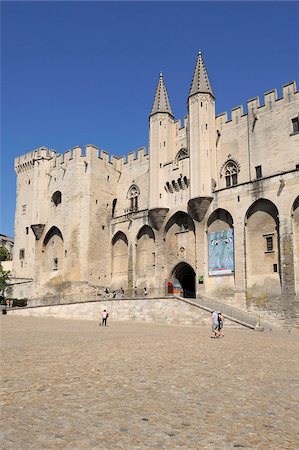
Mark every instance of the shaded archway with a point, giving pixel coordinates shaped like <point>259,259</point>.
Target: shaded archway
<point>179,238</point>
<point>119,259</point>
<point>52,250</point>
<point>184,274</point>
<point>145,256</point>
<point>262,251</point>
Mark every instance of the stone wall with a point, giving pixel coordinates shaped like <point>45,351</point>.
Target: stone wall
<point>164,310</point>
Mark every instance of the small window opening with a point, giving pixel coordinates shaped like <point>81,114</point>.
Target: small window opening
<point>206,126</point>
<point>201,104</point>
<point>274,267</point>
<point>27,230</point>
<point>107,177</point>
<point>238,198</point>
<point>114,206</point>
<point>258,171</point>
<point>56,198</point>
<point>269,243</point>
<point>22,253</point>
<point>55,264</point>
<point>295,123</point>
<point>103,227</point>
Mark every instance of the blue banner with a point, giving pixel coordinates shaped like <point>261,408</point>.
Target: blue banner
<point>221,252</point>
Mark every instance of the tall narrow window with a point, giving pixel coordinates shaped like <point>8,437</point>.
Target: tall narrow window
<point>114,206</point>
<point>295,123</point>
<point>133,195</point>
<point>269,243</point>
<point>22,253</point>
<point>231,174</point>
<point>258,172</point>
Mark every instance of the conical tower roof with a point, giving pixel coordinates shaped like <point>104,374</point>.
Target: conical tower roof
<point>200,83</point>
<point>161,100</point>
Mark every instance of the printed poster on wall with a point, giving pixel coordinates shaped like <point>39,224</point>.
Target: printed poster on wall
<point>221,252</point>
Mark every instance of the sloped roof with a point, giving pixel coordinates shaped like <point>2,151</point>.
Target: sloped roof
<point>200,83</point>
<point>161,101</point>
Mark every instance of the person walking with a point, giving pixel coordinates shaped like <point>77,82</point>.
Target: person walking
<point>220,324</point>
<point>105,316</point>
<point>215,323</point>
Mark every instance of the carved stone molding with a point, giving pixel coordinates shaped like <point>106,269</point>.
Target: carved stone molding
<point>157,216</point>
<point>38,230</point>
<point>198,207</point>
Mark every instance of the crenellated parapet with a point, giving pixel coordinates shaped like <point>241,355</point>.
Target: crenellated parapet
<point>26,162</point>
<point>90,155</point>
<point>256,108</point>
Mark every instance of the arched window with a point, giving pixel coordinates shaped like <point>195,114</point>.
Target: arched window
<point>56,198</point>
<point>182,154</point>
<point>231,173</point>
<point>133,195</point>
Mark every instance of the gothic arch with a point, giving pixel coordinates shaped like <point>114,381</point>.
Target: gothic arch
<point>119,260</point>
<point>146,230</point>
<point>183,275</point>
<point>182,219</point>
<point>119,236</point>
<point>179,239</point>
<point>132,196</point>
<point>220,215</point>
<point>182,154</point>
<point>229,172</point>
<point>262,250</point>
<point>145,256</point>
<point>52,250</point>
<point>52,232</point>
<point>221,246</point>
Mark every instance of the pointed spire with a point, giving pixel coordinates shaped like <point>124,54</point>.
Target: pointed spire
<point>200,82</point>
<point>161,101</point>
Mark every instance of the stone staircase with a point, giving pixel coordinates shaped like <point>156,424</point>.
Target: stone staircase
<point>231,313</point>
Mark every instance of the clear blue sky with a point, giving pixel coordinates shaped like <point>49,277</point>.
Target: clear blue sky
<point>70,70</point>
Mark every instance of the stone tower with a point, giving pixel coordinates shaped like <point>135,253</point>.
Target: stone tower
<point>161,142</point>
<point>201,138</point>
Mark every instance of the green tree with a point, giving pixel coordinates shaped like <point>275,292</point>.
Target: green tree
<point>4,254</point>
<point>5,287</point>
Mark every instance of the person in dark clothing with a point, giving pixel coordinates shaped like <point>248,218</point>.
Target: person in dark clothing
<point>105,316</point>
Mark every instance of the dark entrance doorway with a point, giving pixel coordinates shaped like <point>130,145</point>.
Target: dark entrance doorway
<point>186,277</point>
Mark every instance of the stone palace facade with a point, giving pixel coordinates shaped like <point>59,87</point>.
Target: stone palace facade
<point>211,209</point>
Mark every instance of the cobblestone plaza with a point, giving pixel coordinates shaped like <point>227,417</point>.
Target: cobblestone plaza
<point>70,384</point>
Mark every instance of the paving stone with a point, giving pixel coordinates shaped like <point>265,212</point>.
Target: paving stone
<point>73,385</point>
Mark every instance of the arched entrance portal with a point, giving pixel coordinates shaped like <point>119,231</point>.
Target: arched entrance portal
<point>184,274</point>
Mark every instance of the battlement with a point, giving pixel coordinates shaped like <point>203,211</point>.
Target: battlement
<point>255,107</point>
<point>89,154</point>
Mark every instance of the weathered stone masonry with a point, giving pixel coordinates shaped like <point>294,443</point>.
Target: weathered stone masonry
<point>211,208</point>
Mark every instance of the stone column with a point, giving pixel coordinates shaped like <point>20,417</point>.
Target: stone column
<point>287,268</point>
<point>240,261</point>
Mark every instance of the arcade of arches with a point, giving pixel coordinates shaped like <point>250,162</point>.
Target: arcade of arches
<point>215,257</point>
